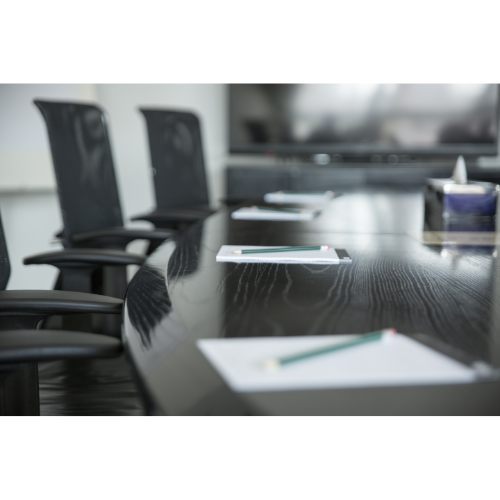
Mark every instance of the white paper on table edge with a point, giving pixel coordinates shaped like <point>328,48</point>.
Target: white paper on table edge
<point>461,373</point>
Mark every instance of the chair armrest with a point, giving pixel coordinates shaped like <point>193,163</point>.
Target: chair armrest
<point>50,302</point>
<point>176,214</point>
<point>121,235</point>
<point>25,346</point>
<point>85,258</point>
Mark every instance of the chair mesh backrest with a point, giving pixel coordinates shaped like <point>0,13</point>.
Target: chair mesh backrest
<point>81,154</point>
<point>4,260</point>
<point>177,157</point>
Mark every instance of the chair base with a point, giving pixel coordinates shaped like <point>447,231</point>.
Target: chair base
<point>19,390</point>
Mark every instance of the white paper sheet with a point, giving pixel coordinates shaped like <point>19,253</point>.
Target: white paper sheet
<point>299,197</point>
<point>402,361</point>
<point>226,254</point>
<point>251,213</point>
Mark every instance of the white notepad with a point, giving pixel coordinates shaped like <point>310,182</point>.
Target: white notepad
<point>299,197</point>
<point>293,214</point>
<point>402,361</point>
<point>226,254</point>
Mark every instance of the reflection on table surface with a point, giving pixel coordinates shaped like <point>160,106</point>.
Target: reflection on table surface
<point>395,280</point>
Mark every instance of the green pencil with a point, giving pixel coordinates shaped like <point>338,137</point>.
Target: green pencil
<point>305,192</point>
<point>274,363</point>
<point>284,249</point>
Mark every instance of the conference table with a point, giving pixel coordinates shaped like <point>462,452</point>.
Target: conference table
<point>398,279</point>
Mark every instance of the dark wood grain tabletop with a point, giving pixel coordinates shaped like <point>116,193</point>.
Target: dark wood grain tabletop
<point>450,293</point>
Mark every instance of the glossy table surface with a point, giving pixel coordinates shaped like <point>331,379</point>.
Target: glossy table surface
<point>182,294</point>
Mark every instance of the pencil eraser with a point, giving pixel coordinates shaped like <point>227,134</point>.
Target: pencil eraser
<point>389,334</point>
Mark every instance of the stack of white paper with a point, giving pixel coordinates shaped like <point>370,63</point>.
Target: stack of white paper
<point>226,254</point>
<point>258,213</point>
<point>299,197</point>
<point>402,361</point>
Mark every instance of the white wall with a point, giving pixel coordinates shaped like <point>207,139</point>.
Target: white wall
<point>30,220</point>
<point>25,161</point>
<point>129,135</point>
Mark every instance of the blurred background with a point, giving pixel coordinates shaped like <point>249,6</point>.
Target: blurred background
<point>256,138</point>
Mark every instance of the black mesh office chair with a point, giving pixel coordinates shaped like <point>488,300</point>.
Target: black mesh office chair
<point>178,169</point>
<point>88,194</point>
<point>22,346</point>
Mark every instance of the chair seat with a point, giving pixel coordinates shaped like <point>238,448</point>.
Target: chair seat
<point>88,257</point>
